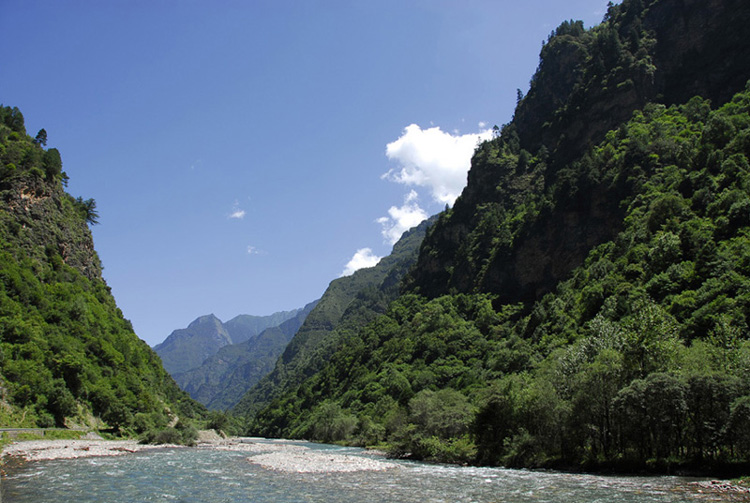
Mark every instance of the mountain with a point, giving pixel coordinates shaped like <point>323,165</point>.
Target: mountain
<point>67,355</point>
<point>222,379</point>
<point>347,303</point>
<point>585,303</point>
<point>245,326</point>
<point>587,84</point>
<point>187,348</point>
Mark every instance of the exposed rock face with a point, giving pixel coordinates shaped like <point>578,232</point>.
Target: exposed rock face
<point>717,40</point>
<point>38,211</point>
<point>549,252</point>
<point>588,83</point>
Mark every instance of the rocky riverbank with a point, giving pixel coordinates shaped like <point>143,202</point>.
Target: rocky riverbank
<point>734,491</point>
<point>291,457</point>
<point>44,450</point>
<point>299,458</point>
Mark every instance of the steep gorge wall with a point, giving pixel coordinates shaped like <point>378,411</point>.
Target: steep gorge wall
<point>588,83</point>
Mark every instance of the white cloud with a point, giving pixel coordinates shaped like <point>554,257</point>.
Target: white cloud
<point>402,218</point>
<point>237,213</point>
<point>251,250</point>
<point>364,257</point>
<point>434,159</point>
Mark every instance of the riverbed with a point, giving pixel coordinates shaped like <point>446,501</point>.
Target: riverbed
<point>290,472</point>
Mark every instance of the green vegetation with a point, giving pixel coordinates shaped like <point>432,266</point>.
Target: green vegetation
<point>67,355</point>
<point>179,434</point>
<point>640,358</point>
<point>585,302</point>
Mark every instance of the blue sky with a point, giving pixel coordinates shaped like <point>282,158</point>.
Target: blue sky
<point>244,154</point>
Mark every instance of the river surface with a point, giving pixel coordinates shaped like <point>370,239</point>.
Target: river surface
<point>204,475</point>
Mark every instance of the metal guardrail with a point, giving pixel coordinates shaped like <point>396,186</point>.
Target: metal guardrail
<point>44,429</point>
<point>14,432</point>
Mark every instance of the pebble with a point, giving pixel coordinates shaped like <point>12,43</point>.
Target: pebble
<point>278,456</point>
<point>723,486</point>
<point>298,458</point>
<point>45,450</point>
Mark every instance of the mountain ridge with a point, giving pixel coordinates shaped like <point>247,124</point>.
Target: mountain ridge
<point>584,303</point>
<point>187,348</point>
<point>600,92</point>
<point>223,378</point>
<point>360,295</point>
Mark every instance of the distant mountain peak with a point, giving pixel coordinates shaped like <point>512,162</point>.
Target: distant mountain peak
<point>205,319</point>
<point>186,349</point>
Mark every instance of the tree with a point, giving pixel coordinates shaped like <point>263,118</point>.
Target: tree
<point>13,118</point>
<point>446,413</point>
<point>331,423</point>
<point>52,163</point>
<point>88,207</point>
<point>41,138</point>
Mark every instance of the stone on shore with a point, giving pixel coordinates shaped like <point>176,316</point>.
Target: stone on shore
<point>297,458</point>
<point>308,461</point>
<point>290,457</point>
<point>44,450</point>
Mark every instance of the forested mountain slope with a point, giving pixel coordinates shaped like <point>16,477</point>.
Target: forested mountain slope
<point>585,302</point>
<point>587,83</point>
<point>67,355</point>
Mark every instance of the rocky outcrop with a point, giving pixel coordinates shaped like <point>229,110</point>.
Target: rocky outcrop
<point>588,83</point>
<point>40,213</point>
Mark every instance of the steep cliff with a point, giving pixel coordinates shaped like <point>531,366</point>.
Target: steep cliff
<point>67,355</point>
<point>588,82</point>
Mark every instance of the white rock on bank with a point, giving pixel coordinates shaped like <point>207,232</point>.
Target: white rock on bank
<point>39,450</point>
<point>300,459</point>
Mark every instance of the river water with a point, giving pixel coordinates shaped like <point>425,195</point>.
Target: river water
<point>215,476</point>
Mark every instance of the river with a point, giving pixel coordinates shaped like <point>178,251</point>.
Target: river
<point>205,475</point>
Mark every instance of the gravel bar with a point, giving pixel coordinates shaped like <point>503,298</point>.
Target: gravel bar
<point>44,450</point>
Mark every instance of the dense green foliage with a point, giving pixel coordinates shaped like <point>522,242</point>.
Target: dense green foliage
<point>640,357</point>
<point>585,301</point>
<point>520,226</point>
<point>67,355</point>
<point>179,434</point>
